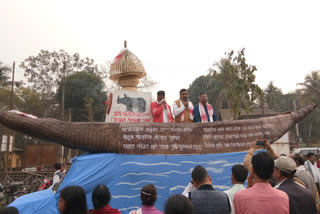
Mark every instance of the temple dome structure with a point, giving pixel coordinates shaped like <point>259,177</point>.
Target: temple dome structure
<point>126,69</point>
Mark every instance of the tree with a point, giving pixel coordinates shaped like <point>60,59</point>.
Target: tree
<point>29,101</point>
<point>311,93</point>
<point>146,83</point>
<point>4,75</point>
<point>311,87</point>
<point>26,100</point>
<point>212,87</point>
<point>237,78</point>
<point>47,69</point>
<point>5,99</point>
<point>273,96</point>
<point>84,95</point>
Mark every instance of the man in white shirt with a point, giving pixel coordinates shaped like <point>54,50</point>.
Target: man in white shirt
<point>183,108</point>
<point>238,177</point>
<point>311,166</point>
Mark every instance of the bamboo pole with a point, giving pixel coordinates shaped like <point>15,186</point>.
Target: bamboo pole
<point>296,126</point>
<point>11,96</point>
<point>69,149</point>
<point>7,154</point>
<point>11,107</point>
<point>61,159</point>
<point>7,164</point>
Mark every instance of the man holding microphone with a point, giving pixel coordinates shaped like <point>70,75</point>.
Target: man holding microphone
<point>161,111</point>
<point>183,108</point>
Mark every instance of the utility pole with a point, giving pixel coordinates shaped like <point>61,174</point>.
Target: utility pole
<point>7,152</point>
<point>262,103</point>
<point>62,106</point>
<point>9,132</point>
<point>297,127</point>
<point>69,150</point>
<point>12,84</point>
<point>63,88</point>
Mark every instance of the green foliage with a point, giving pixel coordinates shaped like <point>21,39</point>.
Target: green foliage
<point>237,78</point>
<point>4,75</point>
<point>30,102</point>
<point>310,93</point>
<point>273,97</point>
<point>209,85</point>
<point>80,88</point>
<point>47,69</point>
<point>311,87</point>
<point>26,100</point>
<point>5,99</point>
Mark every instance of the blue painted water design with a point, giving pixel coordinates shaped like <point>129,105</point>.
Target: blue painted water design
<point>125,175</point>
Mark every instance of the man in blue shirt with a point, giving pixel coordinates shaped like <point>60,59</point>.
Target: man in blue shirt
<point>204,112</point>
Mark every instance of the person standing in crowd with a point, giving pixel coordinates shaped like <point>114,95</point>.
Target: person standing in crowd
<point>301,199</point>
<point>238,177</point>
<point>67,167</point>
<point>148,197</point>
<point>9,210</point>
<point>248,159</point>
<point>1,192</point>
<point>183,108</point>
<point>261,198</point>
<point>311,166</point>
<point>306,177</point>
<point>161,111</point>
<point>318,162</point>
<point>100,198</point>
<point>247,162</point>
<point>45,185</point>
<point>205,199</point>
<point>57,175</point>
<point>72,201</point>
<point>203,112</point>
<point>178,204</point>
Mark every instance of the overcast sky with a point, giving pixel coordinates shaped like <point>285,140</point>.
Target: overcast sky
<point>176,40</point>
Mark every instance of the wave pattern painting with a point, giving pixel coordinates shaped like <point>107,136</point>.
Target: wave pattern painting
<point>169,173</point>
<point>125,175</point>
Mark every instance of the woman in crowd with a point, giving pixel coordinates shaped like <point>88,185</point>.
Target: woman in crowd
<point>178,204</point>
<point>73,201</point>
<point>9,210</point>
<point>148,197</point>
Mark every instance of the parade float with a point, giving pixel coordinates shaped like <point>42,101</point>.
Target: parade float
<point>135,151</point>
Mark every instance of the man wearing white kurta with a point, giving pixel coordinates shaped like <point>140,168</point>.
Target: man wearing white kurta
<point>183,108</point>
<point>238,177</point>
<point>311,166</point>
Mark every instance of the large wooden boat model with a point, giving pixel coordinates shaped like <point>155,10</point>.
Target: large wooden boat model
<point>157,138</point>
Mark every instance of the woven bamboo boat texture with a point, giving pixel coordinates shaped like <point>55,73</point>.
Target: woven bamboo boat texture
<point>157,138</point>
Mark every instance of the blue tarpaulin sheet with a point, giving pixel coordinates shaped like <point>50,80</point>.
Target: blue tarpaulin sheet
<point>125,175</point>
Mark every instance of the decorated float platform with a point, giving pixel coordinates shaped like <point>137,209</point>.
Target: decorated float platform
<point>125,175</point>
<point>128,151</point>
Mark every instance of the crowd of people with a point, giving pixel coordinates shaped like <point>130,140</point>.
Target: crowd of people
<point>275,184</point>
